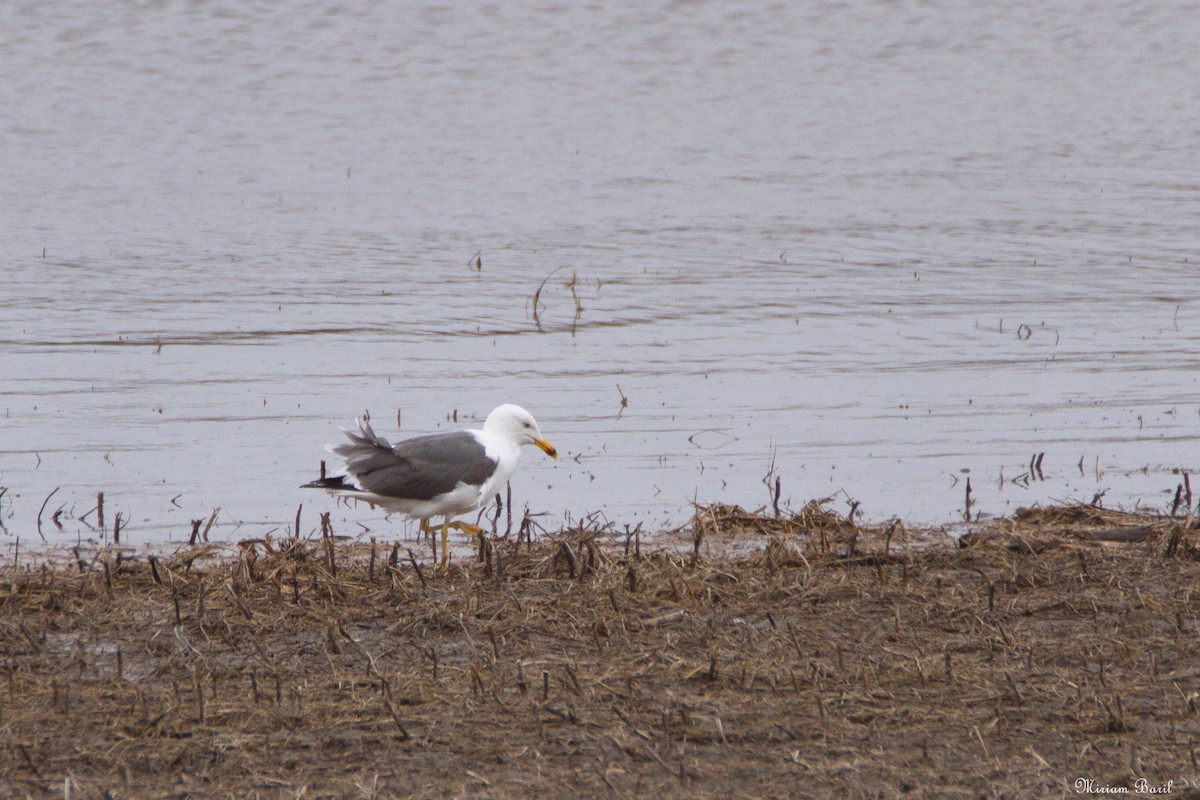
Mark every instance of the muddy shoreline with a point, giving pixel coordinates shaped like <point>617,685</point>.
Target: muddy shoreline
<point>818,658</point>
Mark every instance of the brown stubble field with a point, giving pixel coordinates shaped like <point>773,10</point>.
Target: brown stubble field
<point>751,655</point>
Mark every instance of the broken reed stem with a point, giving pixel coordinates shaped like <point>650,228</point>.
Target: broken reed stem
<point>537,294</point>
<point>327,542</point>
<point>508,509</point>
<point>412,559</point>
<point>211,519</point>
<point>391,709</point>
<point>200,608</point>
<point>43,508</point>
<point>572,562</point>
<point>433,658</point>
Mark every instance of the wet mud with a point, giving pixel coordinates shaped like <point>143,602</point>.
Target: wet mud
<point>819,658</point>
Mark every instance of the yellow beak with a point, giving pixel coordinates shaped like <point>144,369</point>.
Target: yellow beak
<point>546,448</point>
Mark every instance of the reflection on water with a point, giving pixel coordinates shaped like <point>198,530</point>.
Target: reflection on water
<point>872,251</point>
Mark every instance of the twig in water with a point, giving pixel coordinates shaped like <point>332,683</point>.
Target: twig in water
<point>772,490</point>
<point>211,519</point>
<point>87,514</point>
<point>43,508</point>
<point>538,293</point>
<point>574,295</point>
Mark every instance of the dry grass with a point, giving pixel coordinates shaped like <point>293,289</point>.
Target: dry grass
<point>828,662</point>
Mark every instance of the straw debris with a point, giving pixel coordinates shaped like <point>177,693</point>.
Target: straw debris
<point>830,659</point>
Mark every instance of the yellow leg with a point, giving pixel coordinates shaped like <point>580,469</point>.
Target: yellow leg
<point>447,524</point>
<point>466,527</point>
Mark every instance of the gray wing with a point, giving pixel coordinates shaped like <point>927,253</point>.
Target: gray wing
<point>418,469</point>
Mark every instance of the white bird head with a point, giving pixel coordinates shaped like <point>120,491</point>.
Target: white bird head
<point>518,425</point>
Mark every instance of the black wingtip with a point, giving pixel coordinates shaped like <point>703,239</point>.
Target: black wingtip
<point>327,483</point>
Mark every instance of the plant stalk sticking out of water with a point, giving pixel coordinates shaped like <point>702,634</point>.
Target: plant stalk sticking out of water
<point>774,489</point>
<point>571,284</point>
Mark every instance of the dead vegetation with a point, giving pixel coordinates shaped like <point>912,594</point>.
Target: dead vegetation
<point>830,660</point>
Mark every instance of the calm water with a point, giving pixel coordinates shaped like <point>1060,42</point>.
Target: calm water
<point>870,246</point>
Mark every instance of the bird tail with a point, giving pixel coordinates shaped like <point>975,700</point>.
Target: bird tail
<point>365,452</point>
<point>334,484</point>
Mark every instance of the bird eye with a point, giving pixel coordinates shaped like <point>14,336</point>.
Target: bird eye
<point>527,424</point>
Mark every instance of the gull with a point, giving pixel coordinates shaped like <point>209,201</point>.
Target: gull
<point>437,475</point>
